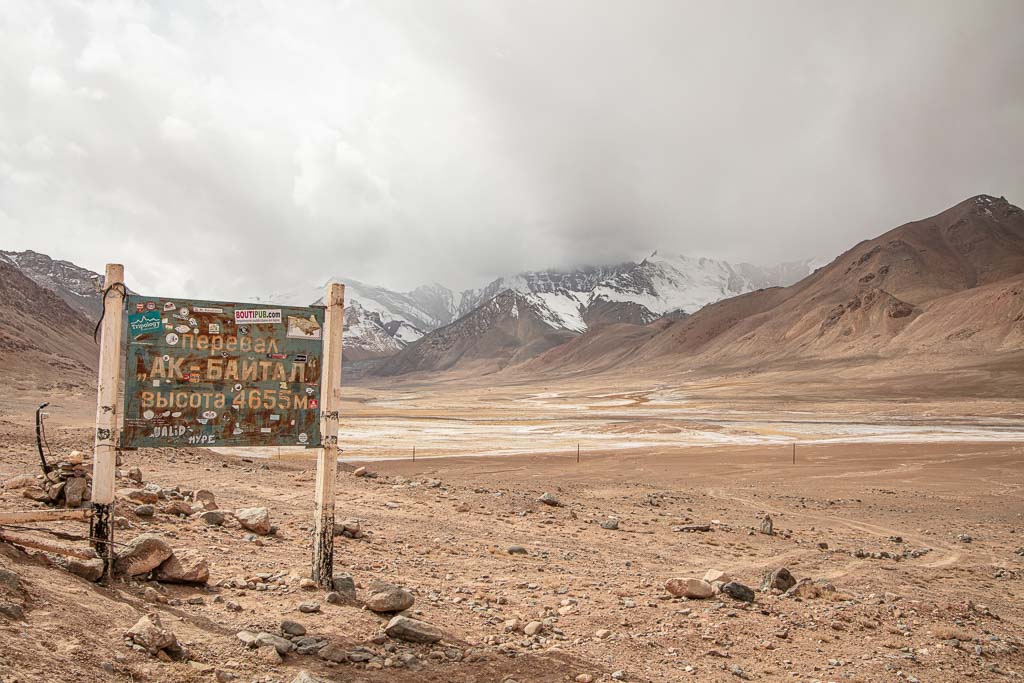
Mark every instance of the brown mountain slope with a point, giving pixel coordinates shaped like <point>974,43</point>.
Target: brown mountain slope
<point>949,285</point>
<point>503,331</point>
<point>43,341</point>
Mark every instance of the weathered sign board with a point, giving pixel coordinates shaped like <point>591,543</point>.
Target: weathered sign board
<point>209,373</point>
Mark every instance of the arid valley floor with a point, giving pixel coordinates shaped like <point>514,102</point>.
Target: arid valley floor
<point>907,514</point>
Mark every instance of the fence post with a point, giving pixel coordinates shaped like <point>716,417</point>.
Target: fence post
<point>104,448</point>
<point>327,457</point>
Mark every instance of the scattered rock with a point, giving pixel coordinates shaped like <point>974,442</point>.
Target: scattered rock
<point>205,499</point>
<point>517,550</point>
<point>145,510</point>
<point>533,628</point>
<point>413,630</point>
<point>135,475</point>
<point>344,585</point>
<point>350,528</point>
<point>309,607</point>
<point>359,472</point>
<point>213,517</point>
<point>307,584</point>
<point>386,597</point>
<point>611,524</point>
<point>333,653</point>
<point>692,528</point>
<point>717,576</point>
<point>142,555</point>
<point>964,538</point>
<point>150,634</point>
<point>694,589</point>
<point>256,520</point>
<point>177,508</point>
<point>269,655</point>
<point>142,496</point>
<point>248,638</point>
<point>737,591</point>
<point>779,579</point>
<point>282,645</point>
<point>185,566</point>
<point>75,490</point>
<point>549,499</point>
<point>292,628</point>
<point>602,633</point>
<point>766,525</point>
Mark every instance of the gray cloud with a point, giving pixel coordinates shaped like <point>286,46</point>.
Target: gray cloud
<point>226,150</point>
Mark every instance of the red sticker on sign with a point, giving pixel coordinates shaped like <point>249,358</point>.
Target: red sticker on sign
<point>313,404</point>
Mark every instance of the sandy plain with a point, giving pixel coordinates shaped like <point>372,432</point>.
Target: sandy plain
<point>909,477</point>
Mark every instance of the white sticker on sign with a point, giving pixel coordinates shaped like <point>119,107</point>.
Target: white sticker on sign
<point>205,309</point>
<point>259,316</point>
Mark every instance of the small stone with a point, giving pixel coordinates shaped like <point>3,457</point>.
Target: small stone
<point>359,472</point>
<point>142,496</point>
<point>309,607</point>
<point>738,591</point>
<point>150,634</point>
<point>256,520</point>
<point>717,576</point>
<point>619,675</point>
<point>584,678</point>
<point>345,585</point>
<point>248,638</point>
<point>766,525</point>
<point>694,589</point>
<point>213,517</point>
<point>804,589</point>
<point>145,510</point>
<point>177,508</point>
<point>333,653</point>
<point>610,524</point>
<point>602,633</point>
<point>517,550</point>
<point>205,499</point>
<point>386,597</point>
<point>74,491</point>
<point>307,584</point>
<point>533,628</point>
<point>292,628</point>
<point>282,645</point>
<point>549,499</point>
<point>413,630</point>
<point>135,475</point>
<point>779,579</point>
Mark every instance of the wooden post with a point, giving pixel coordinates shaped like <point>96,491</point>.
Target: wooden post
<point>104,449</point>
<point>414,454</point>
<point>794,452</point>
<point>577,452</point>
<point>327,458</point>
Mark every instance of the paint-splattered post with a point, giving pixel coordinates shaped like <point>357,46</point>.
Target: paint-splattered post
<point>104,449</point>
<point>327,458</point>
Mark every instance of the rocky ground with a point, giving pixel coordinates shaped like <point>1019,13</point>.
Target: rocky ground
<point>903,563</point>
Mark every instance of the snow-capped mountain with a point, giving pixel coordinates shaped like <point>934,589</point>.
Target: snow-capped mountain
<point>571,300</point>
<point>71,283</point>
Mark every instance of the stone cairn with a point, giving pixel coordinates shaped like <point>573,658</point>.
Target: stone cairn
<point>68,483</point>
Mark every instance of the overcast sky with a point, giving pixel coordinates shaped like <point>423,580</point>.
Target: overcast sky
<point>228,149</point>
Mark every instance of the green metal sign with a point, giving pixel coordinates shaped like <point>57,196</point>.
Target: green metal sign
<point>208,373</point>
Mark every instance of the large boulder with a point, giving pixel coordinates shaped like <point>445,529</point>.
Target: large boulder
<point>256,520</point>
<point>185,566</point>
<point>413,630</point>
<point>149,633</point>
<point>142,555</point>
<point>75,491</point>
<point>694,589</point>
<point>387,597</point>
